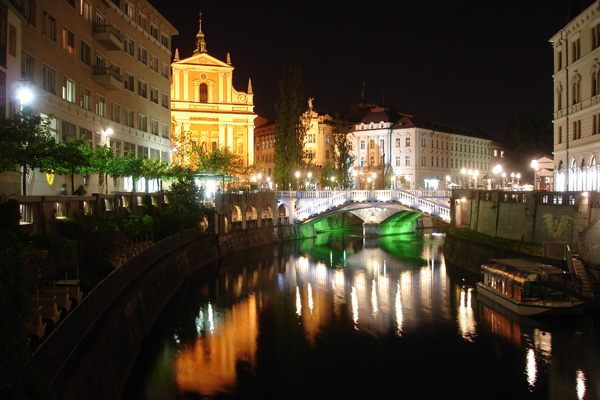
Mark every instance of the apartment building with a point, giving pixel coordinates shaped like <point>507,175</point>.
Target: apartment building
<point>577,102</point>
<point>99,70</point>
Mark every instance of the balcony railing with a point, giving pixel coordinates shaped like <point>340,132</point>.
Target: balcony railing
<point>108,36</point>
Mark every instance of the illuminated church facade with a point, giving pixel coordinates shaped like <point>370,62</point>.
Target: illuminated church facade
<point>206,108</point>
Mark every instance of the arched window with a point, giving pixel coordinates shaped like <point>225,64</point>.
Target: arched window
<point>203,92</point>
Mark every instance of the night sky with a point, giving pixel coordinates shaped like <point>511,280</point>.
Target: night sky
<point>449,62</point>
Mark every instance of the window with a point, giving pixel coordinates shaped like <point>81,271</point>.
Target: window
<point>129,46</point>
<point>559,60</point>
<point>142,55</point>
<point>143,21</point>
<point>12,40</point>
<point>165,40</point>
<point>575,91</point>
<point>100,61</point>
<point>423,161</point>
<point>49,26</point>
<point>398,142</point>
<point>423,142</point>
<point>128,148</point>
<point>560,134</point>
<point>86,135</point>
<point>153,94</point>
<point>86,10</point>
<point>165,71</point>
<point>85,53</point>
<point>371,144</point>
<point>165,130</point>
<point>577,129</point>
<point>128,82</point>
<point>100,20</point>
<point>68,132</point>
<point>48,79</point>
<point>68,41</point>
<point>129,118</point>
<point>381,144</point>
<point>576,46</point>
<point>398,161</point>
<point>407,142</point>
<point>130,10</point>
<point>362,144</point>
<point>100,106</point>
<point>203,92</point>
<point>115,112</point>
<point>27,67</point>
<point>154,126</point>
<point>154,31</point>
<point>165,100</point>
<point>407,161</point>
<point>142,88</point>
<point>596,36</point>
<point>86,98</point>
<point>142,122</point>
<point>310,138</point>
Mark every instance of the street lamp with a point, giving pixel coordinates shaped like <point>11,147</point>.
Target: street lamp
<point>309,178</point>
<point>106,133</point>
<point>534,165</point>
<point>258,177</point>
<point>518,179</point>
<point>463,172</point>
<point>25,96</point>
<point>374,176</point>
<point>298,180</point>
<point>448,181</point>
<point>475,175</point>
<point>503,180</point>
<point>332,179</point>
<point>496,170</point>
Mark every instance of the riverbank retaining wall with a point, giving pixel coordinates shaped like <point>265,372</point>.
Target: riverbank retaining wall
<point>90,353</point>
<point>470,255</point>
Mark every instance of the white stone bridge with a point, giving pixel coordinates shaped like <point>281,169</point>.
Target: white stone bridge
<point>310,204</point>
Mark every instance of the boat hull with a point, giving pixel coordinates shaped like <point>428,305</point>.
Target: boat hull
<point>534,307</point>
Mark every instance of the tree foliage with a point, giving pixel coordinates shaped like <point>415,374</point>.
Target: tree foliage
<point>71,158</point>
<point>290,131</point>
<point>218,161</point>
<point>528,137</point>
<point>25,142</point>
<point>342,155</point>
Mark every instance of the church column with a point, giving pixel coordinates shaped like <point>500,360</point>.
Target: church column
<point>210,91</point>
<point>185,85</point>
<point>220,86</point>
<point>177,83</point>
<point>230,138</point>
<point>222,136</point>
<point>196,90</point>
<point>250,148</point>
<point>229,85</point>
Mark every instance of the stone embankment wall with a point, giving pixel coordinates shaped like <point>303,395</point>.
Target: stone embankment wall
<point>470,255</point>
<point>89,354</point>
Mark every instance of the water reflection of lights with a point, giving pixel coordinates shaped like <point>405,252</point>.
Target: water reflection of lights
<point>466,319</point>
<point>580,382</point>
<point>543,343</point>
<point>374,298</point>
<point>211,321</point>
<point>354,306</point>
<point>359,282</point>
<point>199,322</point>
<point>531,367</point>
<point>310,299</point>
<point>398,309</point>
<point>298,302</point>
<point>322,274</point>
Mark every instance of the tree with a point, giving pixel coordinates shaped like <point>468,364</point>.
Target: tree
<point>341,155</point>
<point>528,137</point>
<point>153,169</point>
<point>327,172</point>
<point>130,166</point>
<point>70,158</point>
<point>101,159</point>
<point>388,173</point>
<point>290,131</point>
<point>218,161</point>
<point>26,142</point>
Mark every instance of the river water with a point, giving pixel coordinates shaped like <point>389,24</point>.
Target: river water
<point>344,317</point>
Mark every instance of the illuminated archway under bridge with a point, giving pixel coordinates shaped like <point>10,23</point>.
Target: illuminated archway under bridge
<point>374,218</point>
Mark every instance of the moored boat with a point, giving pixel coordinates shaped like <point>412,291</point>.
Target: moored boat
<point>530,288</point>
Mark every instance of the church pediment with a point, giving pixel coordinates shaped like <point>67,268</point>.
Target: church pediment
<point>203,59</point>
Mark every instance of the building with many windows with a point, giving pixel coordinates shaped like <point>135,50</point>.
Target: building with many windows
<point>207,108</point>
<point>100,71</point>
<point>577,102</point>
<point>420,155</point>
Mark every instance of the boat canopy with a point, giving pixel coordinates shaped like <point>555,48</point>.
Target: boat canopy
<point>521,279</point>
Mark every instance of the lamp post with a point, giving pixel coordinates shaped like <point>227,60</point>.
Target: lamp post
<point>258,179</point>
<point>512,181</point>
<point>332,179</point>
<point>448,181</point>
<point>518,176</point>
<point>475,176</point>
<point>503,180</point>
<point>309,175</point>
<point>298,180</point>
<point>534,166</point>
<point>462,181</point>
<point>374,176</point>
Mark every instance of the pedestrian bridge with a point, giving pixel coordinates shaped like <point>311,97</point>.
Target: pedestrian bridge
<point>311,204</point>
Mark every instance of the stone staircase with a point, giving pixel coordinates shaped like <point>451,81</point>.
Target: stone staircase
<point>587,289</point>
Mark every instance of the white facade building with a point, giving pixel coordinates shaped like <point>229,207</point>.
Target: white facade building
<point>577,102</point>
<point>421,155</point>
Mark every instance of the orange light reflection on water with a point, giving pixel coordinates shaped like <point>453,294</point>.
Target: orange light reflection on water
<point>209,366</point>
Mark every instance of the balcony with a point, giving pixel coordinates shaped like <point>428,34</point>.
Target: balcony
<point>108,36</point>
<point>108,78</point>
